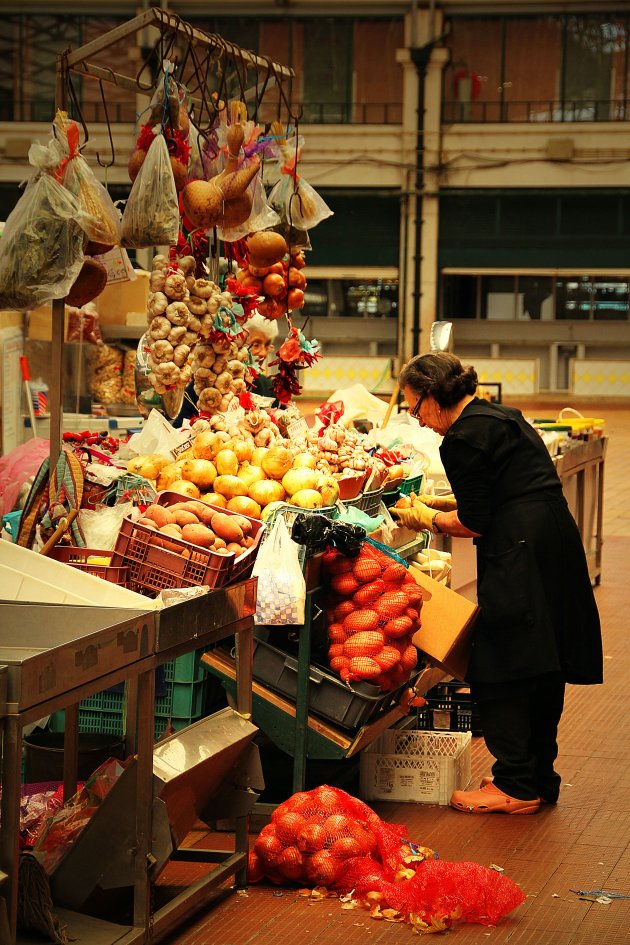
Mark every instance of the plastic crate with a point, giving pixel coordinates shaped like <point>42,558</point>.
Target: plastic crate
<point>11,522</point>
<point>418,767</point>
<point>450,708</point>
<point>79,558</point>
<point>368,502</point>
<point>412,484</point>
<point>329,697</point>
<point>156,561</point>
<point>182,703</point>
<point>406,487</point>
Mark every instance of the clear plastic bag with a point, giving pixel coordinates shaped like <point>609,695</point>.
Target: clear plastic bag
<point>41,251</point>
<point>102,223</point>
<point>262,216</point>
<point>294,199</point>
<point>281,585</point>
<point>151,216</point>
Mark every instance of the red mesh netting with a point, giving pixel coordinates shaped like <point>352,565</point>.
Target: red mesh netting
<point>314,833</point>
<point>373,610</point>
<point>433,893</point>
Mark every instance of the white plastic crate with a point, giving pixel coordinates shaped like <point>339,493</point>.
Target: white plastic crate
<point>28,576</point>
<point>421,767</point>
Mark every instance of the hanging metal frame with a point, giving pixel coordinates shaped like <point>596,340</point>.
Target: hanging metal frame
<point>205,51</point>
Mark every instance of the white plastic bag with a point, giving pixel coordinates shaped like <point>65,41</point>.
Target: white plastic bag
<point>281,585</point>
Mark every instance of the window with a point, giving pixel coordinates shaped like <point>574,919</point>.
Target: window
<point>546,68</point>
<point>535,297</point>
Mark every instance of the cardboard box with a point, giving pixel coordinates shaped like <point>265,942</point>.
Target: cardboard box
<point>119,298</point>
<point>447,622</point>
<point>40,323</point>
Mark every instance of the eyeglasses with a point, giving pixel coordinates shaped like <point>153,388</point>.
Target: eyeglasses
<point>415,411</point>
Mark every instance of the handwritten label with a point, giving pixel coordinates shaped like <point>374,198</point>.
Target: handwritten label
<point>298,429</point>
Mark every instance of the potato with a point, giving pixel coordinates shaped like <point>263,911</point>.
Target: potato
<point>172,529</point>
<point>235,547</point>
<point>244,523</point>
<point>219,543</point>
<point>198,535</point>
<point>183,517</point>
<point>159,515</point>
<point>147,522</point>
<point>225,527</point>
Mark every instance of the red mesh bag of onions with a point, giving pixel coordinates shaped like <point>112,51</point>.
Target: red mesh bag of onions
<point>373,610</point>
<point>431,894</point>
<point>315,833</point>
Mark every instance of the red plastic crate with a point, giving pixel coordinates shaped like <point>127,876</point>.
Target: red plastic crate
<point>156,562</point>
<point>78,558</point>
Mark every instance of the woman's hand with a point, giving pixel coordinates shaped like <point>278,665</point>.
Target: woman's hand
<point>419,517</point>
<point>442,503</point>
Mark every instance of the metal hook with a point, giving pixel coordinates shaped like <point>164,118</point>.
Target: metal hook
<point>109,127</point>
<point>77,107</point>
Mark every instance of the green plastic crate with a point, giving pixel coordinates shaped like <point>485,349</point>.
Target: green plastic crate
<point>182,703</point>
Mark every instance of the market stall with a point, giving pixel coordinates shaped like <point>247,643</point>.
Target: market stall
<point>245,521</point>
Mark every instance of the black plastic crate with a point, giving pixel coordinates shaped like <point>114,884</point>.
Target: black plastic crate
<point>450,708</point>
<point>329,697</point>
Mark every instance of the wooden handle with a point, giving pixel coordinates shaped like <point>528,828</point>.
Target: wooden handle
<point>392,401</point>
<point>60,530</point>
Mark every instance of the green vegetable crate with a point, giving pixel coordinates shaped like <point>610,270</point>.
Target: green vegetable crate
<point>182,703</point>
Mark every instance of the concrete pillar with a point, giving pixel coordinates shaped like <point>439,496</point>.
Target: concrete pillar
<point>427,203</point>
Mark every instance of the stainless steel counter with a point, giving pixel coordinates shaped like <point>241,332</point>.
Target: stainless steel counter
<point>56,655</point>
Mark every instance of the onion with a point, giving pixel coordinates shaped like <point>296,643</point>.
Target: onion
<point>305,461</point>
<point>200,471</point>
<point>257,455</point>
<point>328,488</point>
<point>226,462</point>
<point>307,499</point>
<point>277,462</point>
<point>270,508</point>
<point>250,474</point>
<point>298,479</point>
<point>168,474</point>
<point>266,491</point>
<point>229,486</point>
<point>244,506</point>
<point>203,444</point>
<point>213,498</point>
<point>243,450</point>
<point>184,487</point>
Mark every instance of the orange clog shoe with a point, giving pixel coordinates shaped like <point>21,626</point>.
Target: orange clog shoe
<point>490,800</point>
<point>488,779</point>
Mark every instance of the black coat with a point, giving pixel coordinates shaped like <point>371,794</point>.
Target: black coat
<point>537,608</point>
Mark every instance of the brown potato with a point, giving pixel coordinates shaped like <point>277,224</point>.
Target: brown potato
<point>198,535</point>
<point>184,517</point>
<point>159,515</point>
<point>226,527</point>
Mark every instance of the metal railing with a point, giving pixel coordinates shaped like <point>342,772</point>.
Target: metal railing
<point>532,111</point>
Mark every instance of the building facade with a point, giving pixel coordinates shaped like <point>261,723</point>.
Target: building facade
<point>476,156</point>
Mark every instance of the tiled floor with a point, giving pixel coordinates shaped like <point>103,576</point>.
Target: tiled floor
<point>582,844</point>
